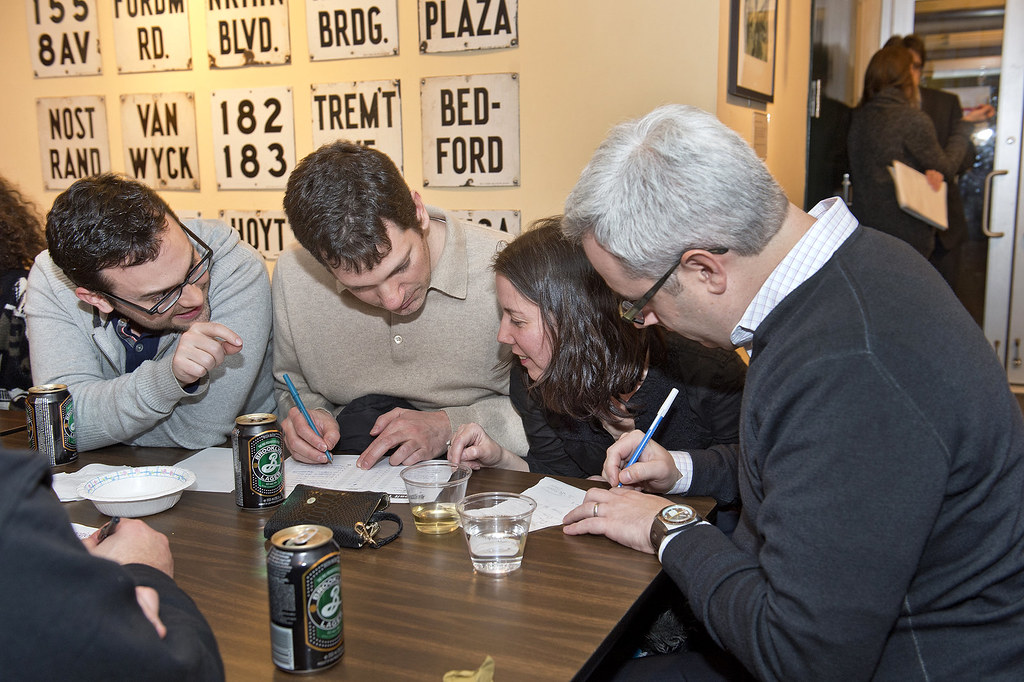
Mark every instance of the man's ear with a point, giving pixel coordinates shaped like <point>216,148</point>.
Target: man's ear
<point>706,268</point>
<point>422,217</point>
<point>98,301</point>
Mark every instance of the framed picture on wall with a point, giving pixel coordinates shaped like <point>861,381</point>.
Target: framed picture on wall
<point>752,49</point>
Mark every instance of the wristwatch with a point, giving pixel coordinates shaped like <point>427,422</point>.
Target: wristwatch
<point>670,520</point>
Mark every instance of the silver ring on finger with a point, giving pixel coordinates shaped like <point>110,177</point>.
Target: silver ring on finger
<point>595,508</point>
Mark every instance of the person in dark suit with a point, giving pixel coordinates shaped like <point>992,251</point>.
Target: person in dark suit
<point>944,109</point>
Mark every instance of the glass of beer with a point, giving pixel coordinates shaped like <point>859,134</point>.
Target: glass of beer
<point>434,488</point>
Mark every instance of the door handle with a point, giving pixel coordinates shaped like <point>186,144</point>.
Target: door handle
<point>985,201</point>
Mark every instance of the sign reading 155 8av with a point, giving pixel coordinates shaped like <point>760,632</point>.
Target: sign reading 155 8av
<point>73,139</point>
<point>342,29</point>
<point>247,32</point>
<point>253,137</point>
<point>63,37</point>
<point>470,130</point>
<point>151,35</point>
<point>367,112</point>
<point>159,132</point>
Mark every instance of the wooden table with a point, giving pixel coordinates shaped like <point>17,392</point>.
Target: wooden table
<point>413,609</point>
<point>13,421</point>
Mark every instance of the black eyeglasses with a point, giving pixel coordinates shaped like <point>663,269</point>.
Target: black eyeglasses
<point>631,311</point>
<point>171,297</point>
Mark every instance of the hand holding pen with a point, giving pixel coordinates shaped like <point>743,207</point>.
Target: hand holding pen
<point>291,436</point>
<point>614,468</point>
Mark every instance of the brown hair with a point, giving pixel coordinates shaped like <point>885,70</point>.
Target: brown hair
<point>889,68</point>
<point>21,232</point>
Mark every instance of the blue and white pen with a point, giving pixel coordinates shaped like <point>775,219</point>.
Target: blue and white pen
<point>654,427</point>
<point>305,413</point>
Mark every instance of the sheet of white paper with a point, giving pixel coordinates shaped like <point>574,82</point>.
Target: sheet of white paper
<point>214,470</point>
<point>343,474</point>
<point>82,531</point>
<point>554,500</point>
<point>66,484</point>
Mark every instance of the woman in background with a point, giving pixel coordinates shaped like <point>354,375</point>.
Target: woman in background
<point>888,126</point>
<point>21,238</point>
<point>585,376</point>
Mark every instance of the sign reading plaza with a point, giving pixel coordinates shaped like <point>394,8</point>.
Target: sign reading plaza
<point>471,130</point>
<point>63,38</point>
<point>367,112</point>
<point>459,25</point>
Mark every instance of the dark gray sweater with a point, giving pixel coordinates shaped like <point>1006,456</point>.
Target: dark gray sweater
<point>881,475</point>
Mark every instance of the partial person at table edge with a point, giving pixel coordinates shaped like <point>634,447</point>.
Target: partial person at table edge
<point>882,453</point>
<point>90,610</point>
<point>583,376</point>
<point>385,317</point>
<point>160,330</point>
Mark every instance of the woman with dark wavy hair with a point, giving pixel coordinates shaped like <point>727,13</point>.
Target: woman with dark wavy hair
<point>585,376</point>
<point>21,238</point>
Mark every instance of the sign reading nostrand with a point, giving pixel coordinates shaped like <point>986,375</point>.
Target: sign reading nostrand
<point>253,137</point>
<point>471,130</point>
<point>367,112</point>
<point>458,25</point>
<point>73,139</point>
<point>503,221</point>
<point>342,29</point>
<point>63,37</point>
<point>247,32</point>
<point>160,147</point>
<point>266,231</point>
<point>152,35</point>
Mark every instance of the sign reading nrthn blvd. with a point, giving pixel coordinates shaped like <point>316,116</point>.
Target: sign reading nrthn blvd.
<point>73,141</point>
<point>470,130</point>
<point>247,32</point>
<point>159,132</point>
<point>367,112</point>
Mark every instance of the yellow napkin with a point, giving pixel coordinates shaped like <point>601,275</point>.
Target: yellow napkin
<point>484,674</point>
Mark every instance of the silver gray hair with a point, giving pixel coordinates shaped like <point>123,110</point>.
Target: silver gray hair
<point>673,180</point>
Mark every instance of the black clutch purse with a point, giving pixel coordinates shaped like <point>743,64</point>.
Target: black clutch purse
<point>355,517</point>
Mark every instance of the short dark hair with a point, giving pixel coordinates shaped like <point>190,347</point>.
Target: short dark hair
<point>104,221</point>
<point>596,356</point>
<point>337,200</point>
<point>911,42</point>
<point>889,68</point>
<point>21,234</point>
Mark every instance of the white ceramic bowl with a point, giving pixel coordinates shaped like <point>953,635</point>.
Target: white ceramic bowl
<point>137,491</point>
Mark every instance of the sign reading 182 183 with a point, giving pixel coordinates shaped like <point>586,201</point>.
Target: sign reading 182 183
<point>253,137</point>
<point>64,37</point>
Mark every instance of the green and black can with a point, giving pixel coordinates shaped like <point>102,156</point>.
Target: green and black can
<point>304,587</point>
<point>256,443</point>
<point>50,415</point>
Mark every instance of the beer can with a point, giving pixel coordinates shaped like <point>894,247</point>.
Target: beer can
<point>304,586</point>
<point>256,446</point>
<point>50,417</point>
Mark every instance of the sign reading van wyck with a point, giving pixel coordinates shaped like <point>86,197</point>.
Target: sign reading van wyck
<point>73,140</point>
<point>247,32</point>
<point>63,37</point>
<point>160,147</point>
<point>470,130</point>
<point>367,112</point>
<point>151,35</point>
<point>253,137</point>
<point>342,29</point>
<point>457,25</point>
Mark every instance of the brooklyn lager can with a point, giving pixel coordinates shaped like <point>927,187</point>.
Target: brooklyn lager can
<point>256,445</point>
<point>51,423</point>
<point>304,585</point>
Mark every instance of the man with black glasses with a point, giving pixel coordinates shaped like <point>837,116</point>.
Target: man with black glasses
<point>174,338</point>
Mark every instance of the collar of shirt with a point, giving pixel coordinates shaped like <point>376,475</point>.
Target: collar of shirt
<point>833,226</point>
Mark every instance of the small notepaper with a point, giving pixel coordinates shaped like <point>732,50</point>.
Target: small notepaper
<point>554,500</point>
<point>343,474</point>
<point>916,196</point>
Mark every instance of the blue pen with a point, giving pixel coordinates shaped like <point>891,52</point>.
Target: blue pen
<point>305,413</point>
<point>654,427</point>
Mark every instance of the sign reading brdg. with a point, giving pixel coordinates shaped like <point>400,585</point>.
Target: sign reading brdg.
<point>342,29</point>
<point>471,130</point>
<point>365,112</point>
<point>73,141</point>
<point>253,137</point>
<point>63,38</point>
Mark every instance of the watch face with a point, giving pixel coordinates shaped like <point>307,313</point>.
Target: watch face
<point>677,513</point>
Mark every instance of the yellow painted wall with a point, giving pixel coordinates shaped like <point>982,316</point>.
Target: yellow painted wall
<point>584,65</point>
